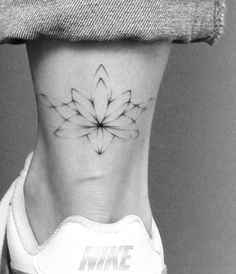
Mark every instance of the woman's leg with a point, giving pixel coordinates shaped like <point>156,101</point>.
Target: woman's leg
<point>95,106</point>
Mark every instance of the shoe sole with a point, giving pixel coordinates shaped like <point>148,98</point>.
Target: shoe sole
<point>164,271</point>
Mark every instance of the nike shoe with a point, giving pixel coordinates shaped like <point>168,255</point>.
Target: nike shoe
<point>80,245</point>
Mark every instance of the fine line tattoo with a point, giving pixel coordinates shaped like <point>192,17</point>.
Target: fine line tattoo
<point>101,117</point>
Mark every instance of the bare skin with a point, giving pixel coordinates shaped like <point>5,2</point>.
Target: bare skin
<point>95,106</point>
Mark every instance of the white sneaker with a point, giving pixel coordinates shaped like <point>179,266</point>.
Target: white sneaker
<point>80,245</point>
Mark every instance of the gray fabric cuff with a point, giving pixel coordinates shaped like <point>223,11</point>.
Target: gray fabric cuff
<point>209,16</point>
<point>179,21</point>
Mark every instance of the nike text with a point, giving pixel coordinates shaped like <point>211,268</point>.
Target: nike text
<point>106,258</point>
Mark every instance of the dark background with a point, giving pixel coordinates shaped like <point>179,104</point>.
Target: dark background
<point>193,150</point>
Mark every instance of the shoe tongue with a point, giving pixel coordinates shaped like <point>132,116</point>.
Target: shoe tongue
<point>81,245</point>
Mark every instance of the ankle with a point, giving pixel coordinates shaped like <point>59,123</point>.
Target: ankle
<point>45,212</point>
<point>47,208</point>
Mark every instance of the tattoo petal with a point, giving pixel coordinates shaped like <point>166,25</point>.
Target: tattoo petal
<point>83,100</point>
<point>64,110</point>
<point>128,130</point>
<point>135,110</point>
<point>120,122</point>
<point>81,110</point>
<point>70,130</point>
<point>124,133</point>
<point>118,106</point>
<point>101,99</point>
<point>81,121</point>
<point>101,73</point>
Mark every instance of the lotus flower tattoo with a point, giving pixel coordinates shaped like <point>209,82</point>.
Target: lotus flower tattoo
<point>101,117</point>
